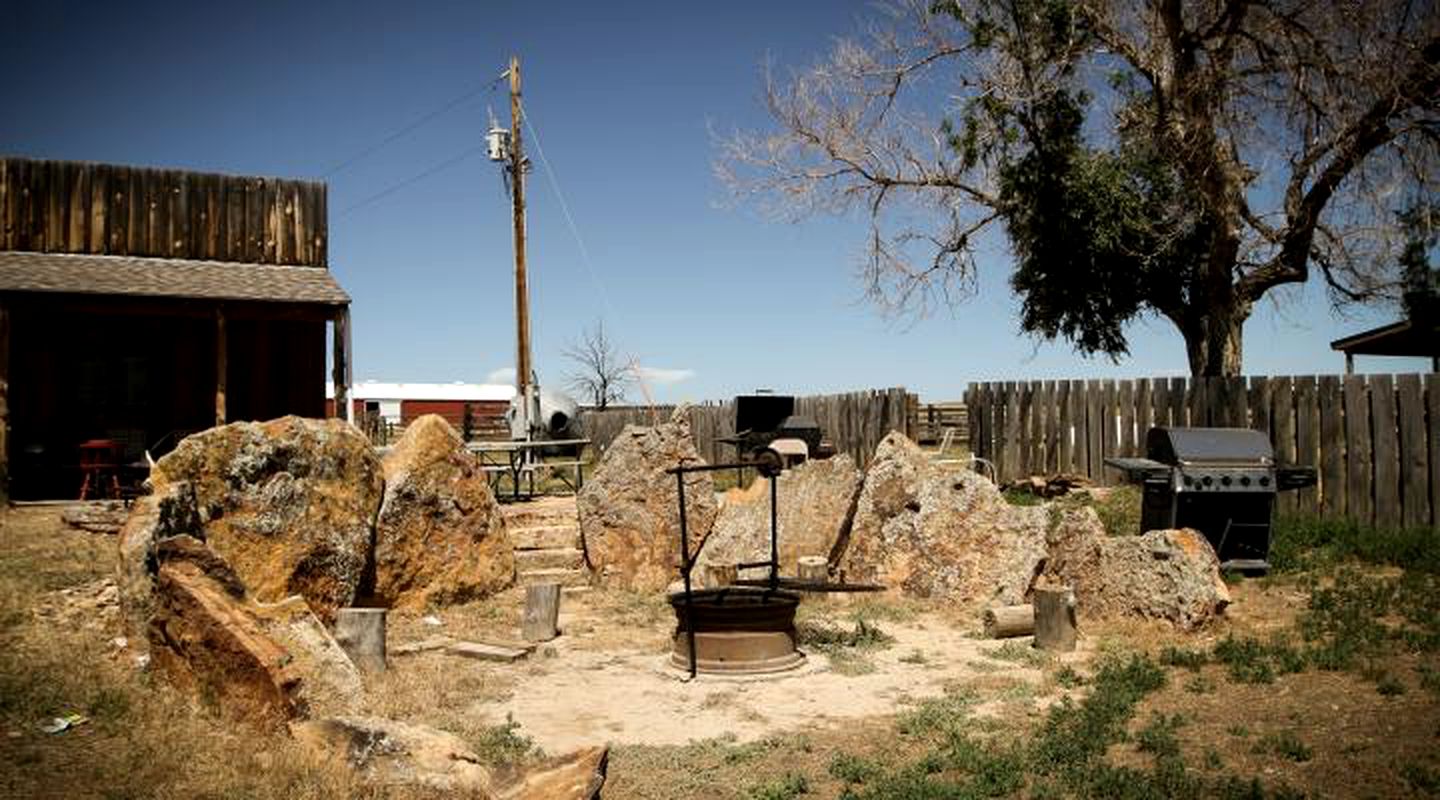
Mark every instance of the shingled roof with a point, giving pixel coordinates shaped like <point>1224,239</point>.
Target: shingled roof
<point>167,277</point>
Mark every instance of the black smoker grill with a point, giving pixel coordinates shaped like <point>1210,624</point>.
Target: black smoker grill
<point>1219,481</point>
<point>761,419</point>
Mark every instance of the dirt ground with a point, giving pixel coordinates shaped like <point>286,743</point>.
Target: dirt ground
<point>605,679</point>
<point>609,680</point>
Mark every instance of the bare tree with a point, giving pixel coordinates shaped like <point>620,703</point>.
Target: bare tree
<point>602,376</point>
<point>1173,158</point>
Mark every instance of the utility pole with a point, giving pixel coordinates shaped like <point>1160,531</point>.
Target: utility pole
<point>524,390</point>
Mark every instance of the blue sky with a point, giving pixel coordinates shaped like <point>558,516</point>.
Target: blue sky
<point>623,97</point>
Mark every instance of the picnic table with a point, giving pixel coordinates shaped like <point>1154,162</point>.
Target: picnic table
<point>520,460</point>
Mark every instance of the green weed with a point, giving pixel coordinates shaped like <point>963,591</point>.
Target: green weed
<point>1020,653</point>
<point>1284,744</point>
<point>786,787</point>
<point>1421,778</point>
<point>854,769</point>
<point>504,744</point>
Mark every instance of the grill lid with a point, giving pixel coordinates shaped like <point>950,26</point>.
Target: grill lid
<point>1186,446</point>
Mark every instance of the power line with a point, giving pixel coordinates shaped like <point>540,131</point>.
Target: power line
<point>452,104</point>
<point>449,162</point>
<point>565,209</point>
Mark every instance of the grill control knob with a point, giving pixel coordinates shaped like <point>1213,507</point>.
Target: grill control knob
<point>1244,480</point>
<point>1264,480</point>
<point>1225,481</point>
<point>1189,481</point>
<point>1207,480</point>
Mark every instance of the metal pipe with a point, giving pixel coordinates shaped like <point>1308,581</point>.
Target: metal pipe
<point>685,569</point>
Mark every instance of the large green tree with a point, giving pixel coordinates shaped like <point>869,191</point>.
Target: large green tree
<point>1181,159</point>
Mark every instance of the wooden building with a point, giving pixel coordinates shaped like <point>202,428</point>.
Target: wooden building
<point>399,404</point>
<point>139,305</point>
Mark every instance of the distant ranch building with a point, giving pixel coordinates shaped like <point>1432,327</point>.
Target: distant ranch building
<point>399,404</point>
<point>138,305</point>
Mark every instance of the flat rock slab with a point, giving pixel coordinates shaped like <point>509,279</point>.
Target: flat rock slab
<point>483,651</point>
<point>422,646</point>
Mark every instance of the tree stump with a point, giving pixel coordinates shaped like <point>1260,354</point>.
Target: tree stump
<point>815,569</point>
<point>1003,622</point>
<point>542,612</point>
<point>360,632</point>
<point>1055,618</point>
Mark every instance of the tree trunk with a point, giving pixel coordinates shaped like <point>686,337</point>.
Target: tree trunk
<point>1214,344</point>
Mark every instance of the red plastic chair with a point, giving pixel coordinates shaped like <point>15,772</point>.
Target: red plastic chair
<point>100,464</point>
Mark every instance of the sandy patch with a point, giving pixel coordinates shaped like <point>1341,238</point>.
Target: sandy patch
<point>577,695</point>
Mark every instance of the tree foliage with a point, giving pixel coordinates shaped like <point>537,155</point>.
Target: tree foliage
<point>1168,158</point>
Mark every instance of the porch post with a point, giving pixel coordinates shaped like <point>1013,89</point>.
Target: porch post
<point>340,366</point>
<point>221,365</point>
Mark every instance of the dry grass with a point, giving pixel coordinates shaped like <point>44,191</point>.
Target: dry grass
<point>143,739</point>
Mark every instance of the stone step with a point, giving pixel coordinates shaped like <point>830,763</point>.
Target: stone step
<point>551,558</point>
<point>567,578</point>
<point>546,538</point>
<point>539,513</point>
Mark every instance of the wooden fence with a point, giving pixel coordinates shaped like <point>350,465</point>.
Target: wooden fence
<point>855,422</point>
<point>103,209</point>
<point>929,421</point>
<point>1375,440</point>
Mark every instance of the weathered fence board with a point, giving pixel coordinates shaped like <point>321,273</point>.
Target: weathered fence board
<point>1414,460</point>
<point>1386,452</point>
<point>1332,460</point>
<point>1374,440</point>
<point>1307,444</point>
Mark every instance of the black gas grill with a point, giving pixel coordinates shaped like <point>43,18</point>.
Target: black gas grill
<point>1219,481</point>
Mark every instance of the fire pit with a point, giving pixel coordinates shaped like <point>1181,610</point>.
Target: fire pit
<point>739,630</point>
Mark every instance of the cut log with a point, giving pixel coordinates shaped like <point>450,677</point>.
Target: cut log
<point>815,569</point>
<point>1003,622</point>
<point>1055,618</point>
<point>360,632</point>
<point>542,612</point>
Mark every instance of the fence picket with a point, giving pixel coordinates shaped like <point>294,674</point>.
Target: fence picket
<point>1307,441</point>
<point>1283,439</point>
<point>1333,455</point>
<point>1357,450</point>
<point>1414,495</point>
<point>1386,451</point>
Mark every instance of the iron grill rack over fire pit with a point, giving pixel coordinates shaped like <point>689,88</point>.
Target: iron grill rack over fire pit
<point>1219,481</point>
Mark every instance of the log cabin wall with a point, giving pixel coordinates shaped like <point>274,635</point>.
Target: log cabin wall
<point>107,209</point>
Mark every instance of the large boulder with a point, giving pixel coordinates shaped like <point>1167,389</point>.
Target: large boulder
<point>629,519</point>
<point>261,664</point>
<point>397,754</point>
<point>387,753</point>
<point>936,531</point>
<point>165,513</point>
<point>440,537</point>
<point>815,499</point>
<point>1168,575</point>
<point>288,503</point>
